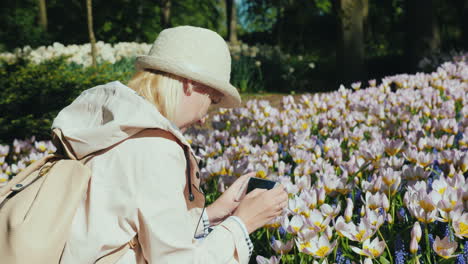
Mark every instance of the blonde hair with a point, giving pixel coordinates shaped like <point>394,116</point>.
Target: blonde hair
<point>161,89</point>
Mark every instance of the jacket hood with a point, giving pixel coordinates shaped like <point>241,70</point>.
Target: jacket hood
<point>107,114</point>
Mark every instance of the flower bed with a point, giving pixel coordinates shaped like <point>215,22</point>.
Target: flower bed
<point>254,68</point>
<point>375,174</point>
<point>80,54</point>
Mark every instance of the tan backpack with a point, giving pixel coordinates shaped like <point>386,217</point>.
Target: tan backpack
<point>37,208</point>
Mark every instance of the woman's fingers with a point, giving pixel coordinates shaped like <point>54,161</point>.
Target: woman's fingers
<point>245,178</point>
<point>241,185</point>
<point>255,192</point>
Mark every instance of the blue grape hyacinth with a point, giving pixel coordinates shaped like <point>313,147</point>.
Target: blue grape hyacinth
<point>400,251</point>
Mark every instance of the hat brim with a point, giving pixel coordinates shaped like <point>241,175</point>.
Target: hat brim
<point>231,96</point>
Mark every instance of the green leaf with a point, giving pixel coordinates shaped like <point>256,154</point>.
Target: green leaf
<point>383,260</point>
<point>107,26</point>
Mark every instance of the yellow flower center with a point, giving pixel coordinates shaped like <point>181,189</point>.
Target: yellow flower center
<point>223,171</point>
<point>442,190</point>
<point>305,213</point>
<point>428,207</point>
<point>360,235</point>
<point>304,245</point>
<point>322,251</point>
<point>373,251</point>
<point>298,161</point>
<point>392,152</point>
<point>261,174</point>
<point>274,225</point>
<point>463,229</point>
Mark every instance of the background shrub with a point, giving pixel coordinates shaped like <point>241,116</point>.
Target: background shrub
<point>32,95</point>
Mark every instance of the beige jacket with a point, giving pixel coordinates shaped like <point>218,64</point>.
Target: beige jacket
<point>139,186</point>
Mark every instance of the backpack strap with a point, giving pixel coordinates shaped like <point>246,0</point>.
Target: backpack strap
<point>115,255</point>
<point>62,145</point>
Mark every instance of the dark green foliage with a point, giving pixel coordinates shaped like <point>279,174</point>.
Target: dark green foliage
<point>246,76</point>
<point>273,71</point>
<point>115,21</point>
<point>31,95</point>
<point>19,26</point>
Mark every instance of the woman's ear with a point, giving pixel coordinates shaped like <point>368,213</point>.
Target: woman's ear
<point>187,89</point>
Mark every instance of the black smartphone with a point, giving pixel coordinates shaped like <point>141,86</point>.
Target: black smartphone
<point>260,183</point>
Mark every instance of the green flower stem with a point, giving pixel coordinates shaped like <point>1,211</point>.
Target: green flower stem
<point>450,227</point>
<point>432,170</point>
<point>350,177</point>
<point>296,253</point>
<point>336,247</point>
<point>392,208</point>
<point>386,246</point>
<point>428,247</point>
<point>268,235</point>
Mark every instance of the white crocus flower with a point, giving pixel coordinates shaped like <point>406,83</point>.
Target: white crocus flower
<point>319,247</point>
<point>416,231</point>
<point>349,210</point>
<point>316,221</point>
<point>282,248</point>
<point>414,245</point>
<point>370,249</point>
<point>444,247</point>
<point>272,260</point>
<point>460,224</point>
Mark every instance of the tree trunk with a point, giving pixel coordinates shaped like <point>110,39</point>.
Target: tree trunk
<point>231,15</point>
<point>166,13</point>
<point>351,15</point>
<point>422,35</point>
<point>43,15</point>
<point>92,39</point>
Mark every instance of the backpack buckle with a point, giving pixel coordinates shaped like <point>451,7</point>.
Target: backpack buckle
<point>133,243</point>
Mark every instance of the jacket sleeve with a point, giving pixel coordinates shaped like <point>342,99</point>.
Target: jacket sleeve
<point>165,229</point>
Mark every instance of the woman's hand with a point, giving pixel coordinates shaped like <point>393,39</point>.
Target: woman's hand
<point>261,206</point>
<point>229,200</point>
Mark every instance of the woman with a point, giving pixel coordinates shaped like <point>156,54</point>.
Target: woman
<point>145,182</point>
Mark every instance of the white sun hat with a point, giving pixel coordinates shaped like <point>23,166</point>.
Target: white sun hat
<point>198,54</point>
